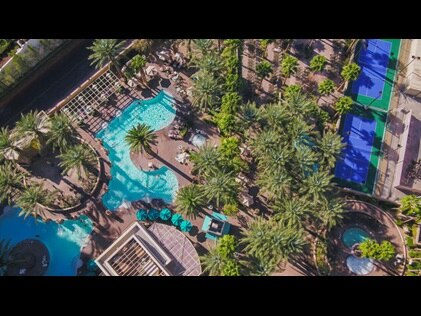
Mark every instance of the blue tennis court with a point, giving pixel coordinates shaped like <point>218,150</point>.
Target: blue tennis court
<point>373,60</point>
<point>358,133</point>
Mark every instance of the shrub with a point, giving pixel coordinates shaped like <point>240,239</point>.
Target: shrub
<point>230,102</point>
<point>231,268</point>
<point>230,209</point>
<point>229,147</point>
<point>226,246</point>
<point>225,122</point>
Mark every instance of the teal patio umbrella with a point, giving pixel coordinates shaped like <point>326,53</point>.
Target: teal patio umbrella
<point>91,265</point>
<point>153,214</point>
<point>165,214</point>
<point>142,215</point>
<point>186,226</point>
<point>176,219</point>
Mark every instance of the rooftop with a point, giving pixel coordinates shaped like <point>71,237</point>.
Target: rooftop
<point>160,250</point>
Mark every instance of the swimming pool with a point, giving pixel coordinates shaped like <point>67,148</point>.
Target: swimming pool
<point>353,236</point>
<point>63,241</point>
<point>129,183</point>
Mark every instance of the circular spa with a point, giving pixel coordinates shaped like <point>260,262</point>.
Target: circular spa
<point>354,235</point>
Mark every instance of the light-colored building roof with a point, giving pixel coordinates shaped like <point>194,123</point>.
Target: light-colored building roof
<point>160,250</point>
<point>413,77</point>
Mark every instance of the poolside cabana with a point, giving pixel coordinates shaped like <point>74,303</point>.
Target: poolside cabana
<point>216,226</point>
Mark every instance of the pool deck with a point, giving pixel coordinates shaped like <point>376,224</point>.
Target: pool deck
<point>379,225</point>
<point>166,149</point>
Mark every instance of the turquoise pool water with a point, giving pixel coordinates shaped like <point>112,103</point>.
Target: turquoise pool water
<point>353,236</point>
<point>360,266</point>
<point>128,183</point>
<point>63,241</point>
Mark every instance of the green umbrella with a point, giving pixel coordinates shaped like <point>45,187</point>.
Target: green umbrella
<point>153,214</point>
<point>165,214</point>
<point>186,226</point>
<point>141,215</point>
<point>176,219</point>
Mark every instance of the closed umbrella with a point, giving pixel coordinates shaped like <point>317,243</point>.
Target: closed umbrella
<point>176,219</point>
<point>153,214</point>
<point>142,215</point>
<point>186,226</point>
<point>165,214</point>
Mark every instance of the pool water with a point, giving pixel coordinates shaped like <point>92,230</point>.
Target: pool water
<point>64,241</point>
<point>353,236</point>
<point>360,266</point>
<point>129,183</point>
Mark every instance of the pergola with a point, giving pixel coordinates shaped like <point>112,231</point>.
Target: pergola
<point>89,98</point>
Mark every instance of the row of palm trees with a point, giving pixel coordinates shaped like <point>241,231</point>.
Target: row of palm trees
<point>34,134</point>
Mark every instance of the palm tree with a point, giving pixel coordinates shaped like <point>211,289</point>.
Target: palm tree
<point>143,46</point>
<point>292,90</point>
<point>318,63</point>
<point>291,210</point>
<point>105,51</point>
<point>62,133</point>
<point>274,161</point>
<point>138,63</point>
<point>5,250</point>
<point>210,63</point>
<point>189,200</point>
<point>206,90</point>
<point>141,138</point>
<point>206,160</point>
<point>80,158</point>
<point>33,199</point>
<point>343,105</point>
<point>202,47</point>
<point>263,69</point>
<point>270,239</point>
<point>274,184</point>
<point>213,262</point>
<point>262,266</point>
<point>305,159</point>
<point>33,128</point>
<point>316,185</point>
<point>289,65</point>
<point>265,142</point>
<point>10,149</point>
<point>326,87</point>
<point>248,115</point>
<point>299,105</point>
<point>275,116</point>
<point>11,182</point>
<point>350,72</point>
<point>222,187</point>
<point>331,213</point>
<point>330,147</point>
